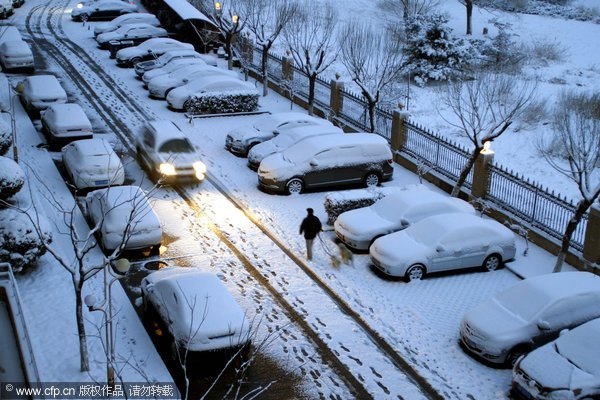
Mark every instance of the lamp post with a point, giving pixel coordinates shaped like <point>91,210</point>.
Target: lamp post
<point>122,265</point>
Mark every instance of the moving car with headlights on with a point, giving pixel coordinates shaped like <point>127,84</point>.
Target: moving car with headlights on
<point>177,99</point>
<point>102,10</point>
<point>529,314</point>
<point>126,219</point>
<point>38,92</point>
<point>287,138</point>
<point>63,123</point>
<point>151,48</point>
<point>359,228</point>
<point>196,310</point>
<point>144,66</point>
<point>132,18</point>
<point>92,163</point>
<point>566,368</point>
<point>240,140</point>
<point>167,154</point>
<point>16,54</point>
<point>160,86</point>
<point>135,33</point>
<point>441,243</point>
<point>325,161</point>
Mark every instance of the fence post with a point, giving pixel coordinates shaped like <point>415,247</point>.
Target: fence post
<point>481,173</point>
<point>399,134</point>
<point>336,100</point>
<point>591,243</point>
<point>287,72</point>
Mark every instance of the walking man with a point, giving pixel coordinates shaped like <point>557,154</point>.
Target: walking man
<point>310,226</point>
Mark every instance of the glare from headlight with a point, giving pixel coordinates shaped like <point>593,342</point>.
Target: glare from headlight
<point>199,167</point>
<point>200,176</point>
<point>167,169</point>
<point>79,5</point>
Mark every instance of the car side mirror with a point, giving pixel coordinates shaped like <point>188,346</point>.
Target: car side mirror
<point>439,248</point>
<point>314,163</point>
<point>563,331</point>
<point>404,222</point>
<point>185,80</point>
<point>543,325</point>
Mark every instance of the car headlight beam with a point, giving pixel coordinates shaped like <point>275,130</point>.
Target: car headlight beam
<point>167,169</point>
<point>199,167</point>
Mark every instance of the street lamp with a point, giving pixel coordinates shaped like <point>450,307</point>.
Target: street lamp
<point>234,19</point>
<point>218,7</point>
<point>122,265</point>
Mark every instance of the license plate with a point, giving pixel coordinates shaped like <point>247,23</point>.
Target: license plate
<point>99,183</point>
<point>522,392</point>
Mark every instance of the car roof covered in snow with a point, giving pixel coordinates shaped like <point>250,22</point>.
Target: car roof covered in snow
<point>45,86</point>
<point>314,143</point>
<point>556,286</point>
<point>166,129</point>
<point>9,33</point>
<point>67,114</point>
<point>93,147</point>
<point>462,222</point>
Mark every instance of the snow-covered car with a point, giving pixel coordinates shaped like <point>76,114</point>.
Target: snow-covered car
<point>441,243</point>
<point>324,161</point>
<point>40,91</point>
<point>178,97</point>
<point>240,140</point>
<point>196,309</point>
<point>92,163</point>
<point>16,54</point>
<point>529,314</point>
<point>151,48</point>
<point>160,86</point>
<point>144,66</point>
<point>360,227</point>
<point>132,18</point>
<point>136,33</point>
<point>18,3</point>
<point>287,139</point>
<point>170,67</point>
<point>63,123</point>
<point>9,33</point>
<point>566,368</point>
<point>102,10</point>
<point>6,9</point>
<point>166,153</point>
<point>125,217</point>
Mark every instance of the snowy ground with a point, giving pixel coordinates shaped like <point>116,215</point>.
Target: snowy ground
<point>420,319</point>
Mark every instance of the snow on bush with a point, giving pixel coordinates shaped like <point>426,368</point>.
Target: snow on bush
<point>5,137</point>
<point>11,178</point>
<point>339,202</point>
<point>501,52</point>
<point>20,244</point>
<point>223,102</point>
<point>549,8</point>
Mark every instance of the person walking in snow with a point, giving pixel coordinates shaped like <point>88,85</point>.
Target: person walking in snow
<point>311,226</point>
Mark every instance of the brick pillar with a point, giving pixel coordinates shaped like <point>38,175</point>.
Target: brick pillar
<point>399,133</point>
<point>286,68</point>
<point>481,174</point>
<point>336,100</point>
<point>591,244</point>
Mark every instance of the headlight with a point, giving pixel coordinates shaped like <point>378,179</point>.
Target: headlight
<point>199,167</point>
<point>167,169</point>
<point>79,5</point>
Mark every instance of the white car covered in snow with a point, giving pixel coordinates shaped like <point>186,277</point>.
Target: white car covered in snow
<point>166,153</point>
<point>196,309</point>
<point>174,66</point>
<point>63,123</point>
<point>441,243</point>
<point>359,228</point>
<point>567,368</point>
<point>137,33</point>
<point>178,97</point>
<point>38,92</point>
<point>92,163</point>
<point>240,140</point>
<point>132,18</point>
<point>151,48</point>
<point>286,139</point>
<point>160,86</point>
<point>16,54</point>
<point>164,59</point>
<point>530,314</point>
<point>126,219</point>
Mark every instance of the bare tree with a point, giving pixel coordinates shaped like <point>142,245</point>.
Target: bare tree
<point>310,38</point>
<point>469,9</point>
<point>373,59</point>
<point>404,10</point>
<point>266,19</point>
<point>576,137</point>
<point>483,109</point>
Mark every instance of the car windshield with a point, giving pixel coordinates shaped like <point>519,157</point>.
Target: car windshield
<point>176,146</point>
<point>581,347</point>
<point>264,124</point>
<point>389,208</point>
<point>512,300</point>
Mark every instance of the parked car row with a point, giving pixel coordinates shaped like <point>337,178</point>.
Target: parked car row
<point>15,53</point>
<point>101,10</point>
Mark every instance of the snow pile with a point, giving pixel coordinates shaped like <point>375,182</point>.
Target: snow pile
<point>11,178</point>
<point>223,102</point>
<point>338,202</point>
<point>545,8</point>
<point>5,137</point>
<point>20,243</point>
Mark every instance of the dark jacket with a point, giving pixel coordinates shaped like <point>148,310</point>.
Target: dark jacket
<point>310,227</point>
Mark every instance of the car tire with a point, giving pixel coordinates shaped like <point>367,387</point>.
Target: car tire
<point>415,273</point>
<point>84,17</point>
<point>294,186</point>
<point>372,179</point>
<point>492,262</point>
<point>135,60</point>
<point>514,355</point>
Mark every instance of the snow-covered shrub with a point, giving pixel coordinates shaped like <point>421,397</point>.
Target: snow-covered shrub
<point>12,178</point>
<point>20,244</point>
<point>223,102</point>
<point>338,202</point>
<point>501,52</point>
<point>433,51</point>
<point>546,50</point>
<point>5,137</point>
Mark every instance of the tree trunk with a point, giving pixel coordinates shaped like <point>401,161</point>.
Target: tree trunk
<point>311,93</point>
<point>372,105</point>
<point>469,6</point>
<point>229,50</point>
<point>83,350</point>
<point>465,172</point>
<point>582,207</point>
<point>265,72</point>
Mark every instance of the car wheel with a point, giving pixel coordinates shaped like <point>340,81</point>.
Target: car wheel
<point>135,60</point>
<point>155,250</point>
<point>514,355</point>
<point>372,179</point>
<point>415,273</point>
<point>84,17</point>
<point>492,262</point>
<point>294,186</point>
